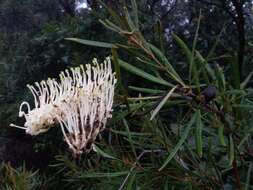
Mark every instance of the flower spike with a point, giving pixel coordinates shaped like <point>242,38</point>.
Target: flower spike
<point>81,102</point>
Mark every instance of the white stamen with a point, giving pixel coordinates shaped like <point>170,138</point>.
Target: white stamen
<point>81,102</point>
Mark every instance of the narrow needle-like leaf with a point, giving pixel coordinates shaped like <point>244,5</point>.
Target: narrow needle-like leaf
<point>164,100</point>
<point>180,142</point>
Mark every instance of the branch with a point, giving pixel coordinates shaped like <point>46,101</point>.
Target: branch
<point>237,176</point>
<point>240,22</point>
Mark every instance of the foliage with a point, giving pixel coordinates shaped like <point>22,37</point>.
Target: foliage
<point>183,109</point>
<point>206,142</point>
<point>18,179</point>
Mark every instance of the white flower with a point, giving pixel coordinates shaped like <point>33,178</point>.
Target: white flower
<point>81,102</point>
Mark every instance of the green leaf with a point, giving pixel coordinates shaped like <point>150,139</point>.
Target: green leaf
<point>116,18</point>
<point>91,43</point>
<point>117,117</point>
<point>248,176</point>
<point>183,46</point>
<point>164,100</point>
<point>149,63</point>
<point>221,135</point>
<point>102,175</point>
<point>208,69</point>
<point>247,80</point>
<point>109,25</point>
<point>236,92</point>
<point>193,70</point>
<point>135,13</point>
<point>216,42</point>
<point>131,133</point>
<point>173,74</point>
<point>130,184</point>
<point>243,106</point>
<point>117,70</point>
<point>221,82</point>
<point>146,90</point>
<point>134,70</point>
<point>198,134</point>
<point>231,150</point>
<point>244,139</point>
<point>102,153</point>
<point>159,32</point>
<point>129,20</point>
<point>116,64</point>
<point>129,137</point>
<point>180,142</point>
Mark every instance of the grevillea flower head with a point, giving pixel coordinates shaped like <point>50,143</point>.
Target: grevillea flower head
<point>81,102</point>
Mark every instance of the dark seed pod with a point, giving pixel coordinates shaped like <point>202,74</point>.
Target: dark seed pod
<point>209,93</point>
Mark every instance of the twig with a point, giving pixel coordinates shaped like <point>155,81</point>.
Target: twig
<point>237,177</point>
